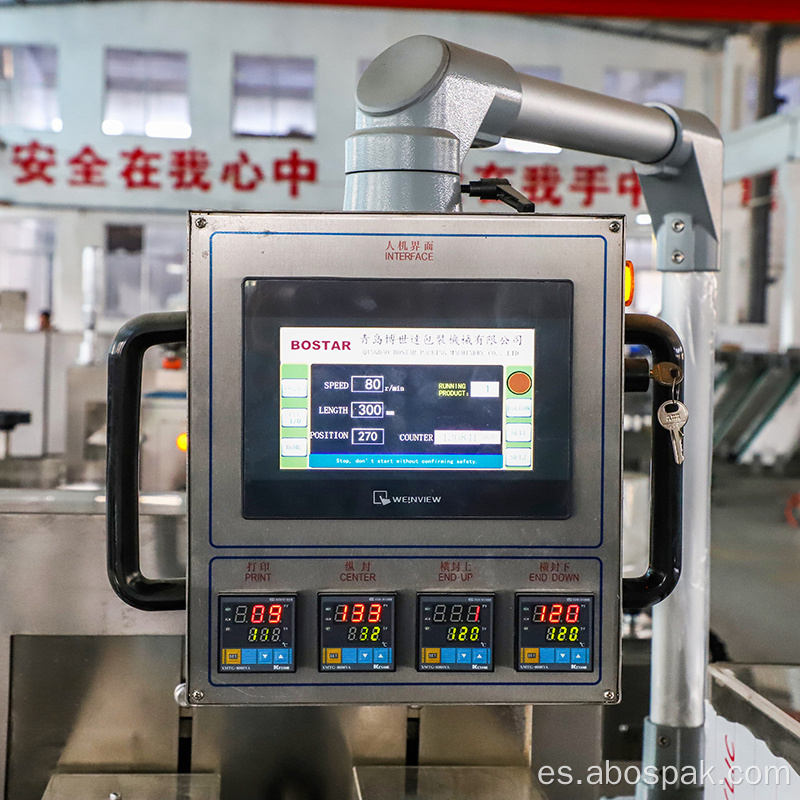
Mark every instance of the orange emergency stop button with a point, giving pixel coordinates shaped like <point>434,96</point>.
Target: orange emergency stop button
<point>519,382</point>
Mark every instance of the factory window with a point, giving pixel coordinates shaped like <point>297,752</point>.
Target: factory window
<point>274,97</point>
<point>27,247</point>
<point>518,145</point>
<point>28,87</point>
<point>145,269</point>
<point>787,92</point>
<point>147,94</point>
<point>645,85</point>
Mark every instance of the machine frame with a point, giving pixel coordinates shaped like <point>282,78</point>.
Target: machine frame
<point>228,248</point>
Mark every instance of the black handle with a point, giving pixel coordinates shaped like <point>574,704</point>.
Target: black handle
<point>666,476</point>
<point>122,462</point>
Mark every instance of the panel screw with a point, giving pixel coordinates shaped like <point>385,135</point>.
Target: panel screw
<point>663,741</point>
<point>677,257</point>
<point>678,225</point>
<point>614,227</point>
<point>115,796</point>
<point>609,695</point>
<point>197,695</point>
<point>200,222</point>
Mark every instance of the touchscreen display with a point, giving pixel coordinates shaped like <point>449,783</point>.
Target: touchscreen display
<point>400,398</point>
<point>406,398</point>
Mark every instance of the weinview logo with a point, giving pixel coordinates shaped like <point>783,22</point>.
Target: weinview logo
<point>380,497</point>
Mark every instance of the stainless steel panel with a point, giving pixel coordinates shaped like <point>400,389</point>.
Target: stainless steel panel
<point>581,249</point>
<point>446,783</point>
<point>86,393</point>
<point>84,408</point>
<point>162,465</point>
<point>474,735</point>
<point>64,349</point>
<point>294,752</point>
<point>307,576</point>
<point>133,787</point>
<point>91,703</point>
<point>53,583</point>
<point>569,736</point>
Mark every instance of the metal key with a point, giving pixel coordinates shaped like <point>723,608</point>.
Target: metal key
<point>672,416</point>
<point>666,373</point>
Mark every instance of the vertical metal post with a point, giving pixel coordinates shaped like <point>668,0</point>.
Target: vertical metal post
<point>686,210</point>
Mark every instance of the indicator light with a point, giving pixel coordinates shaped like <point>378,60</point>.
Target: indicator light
<point>629,282</point>
<point>182,442</point>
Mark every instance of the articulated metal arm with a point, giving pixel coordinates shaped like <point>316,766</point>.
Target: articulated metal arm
<point>421,105</point>
<point>424,102</point>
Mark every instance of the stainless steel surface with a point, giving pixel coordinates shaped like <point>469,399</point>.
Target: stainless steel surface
<point>557,114</point>
<point>570,248</point>
<point>86,392</point>
<point>162,464</point>
<point>568,736</point>
<point>446,783</point>
<point>83,400</point>
<point>53,583</point>
<point>635,523</point>
<point>31,473</point>
<point>90,703</point>
<point>680,623</point>
<point>294,752</point>
<point>475,735</point>
<point>127,786</point>
<point>84,501</point>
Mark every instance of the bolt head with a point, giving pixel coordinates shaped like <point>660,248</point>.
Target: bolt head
<point>678,257</point>
<point>614,227</point>
<point>197,695</point>
<point>663,741</point>
<point>678,225</point>
<point>609,695</point>
<point>200,222</point>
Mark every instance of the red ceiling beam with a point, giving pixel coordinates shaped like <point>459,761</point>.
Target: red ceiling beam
<point>775,11</point>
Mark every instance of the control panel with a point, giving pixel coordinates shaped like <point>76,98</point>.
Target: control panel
<point>405,458</point>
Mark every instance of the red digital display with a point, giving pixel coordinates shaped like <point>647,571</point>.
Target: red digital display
<point>260,612</point>
<point>358,613</point>
<point>556,613</point>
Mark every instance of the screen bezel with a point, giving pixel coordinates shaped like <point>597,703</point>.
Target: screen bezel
<point>545,305</point>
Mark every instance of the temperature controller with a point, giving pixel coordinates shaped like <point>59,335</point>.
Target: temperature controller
<point>405,474</point>
<point>356,633</point>
<point>455,633</point>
